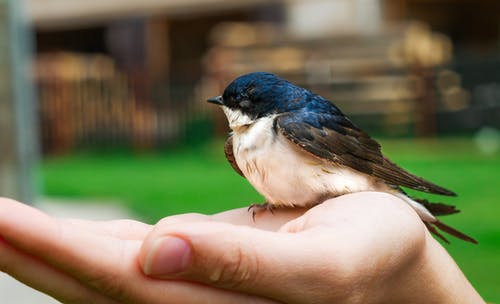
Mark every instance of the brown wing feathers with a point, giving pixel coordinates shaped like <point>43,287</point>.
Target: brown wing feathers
<point>350,146</point>
<point>394,174</point>
<point>228,150</point>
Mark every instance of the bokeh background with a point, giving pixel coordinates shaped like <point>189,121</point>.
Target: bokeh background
<point>104,101</point>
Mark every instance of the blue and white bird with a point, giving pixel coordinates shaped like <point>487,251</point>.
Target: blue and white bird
<point>298,149</point>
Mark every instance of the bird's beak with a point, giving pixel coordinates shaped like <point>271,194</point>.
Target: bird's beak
<point>216,100</point>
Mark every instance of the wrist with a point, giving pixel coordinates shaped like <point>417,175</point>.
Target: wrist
<point>432,276</point>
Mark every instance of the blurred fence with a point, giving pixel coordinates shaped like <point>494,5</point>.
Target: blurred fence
<point>398,82</point>
<point>86,102</point>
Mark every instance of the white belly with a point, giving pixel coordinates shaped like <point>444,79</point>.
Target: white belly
<point>288,176</point>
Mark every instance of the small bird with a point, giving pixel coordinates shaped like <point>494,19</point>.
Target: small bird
<point>298,149</point>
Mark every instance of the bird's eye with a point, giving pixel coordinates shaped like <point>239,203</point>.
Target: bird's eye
<point>231,101</point>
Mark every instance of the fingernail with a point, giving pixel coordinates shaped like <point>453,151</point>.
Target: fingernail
<point>169,255</point>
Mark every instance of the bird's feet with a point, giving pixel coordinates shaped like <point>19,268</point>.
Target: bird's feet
<point>256,207</point>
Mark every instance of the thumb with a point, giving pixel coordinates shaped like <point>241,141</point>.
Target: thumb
<point>234,257</point>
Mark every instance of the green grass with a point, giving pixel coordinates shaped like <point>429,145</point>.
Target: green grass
<point>200,180</point>
<point>189,180</point>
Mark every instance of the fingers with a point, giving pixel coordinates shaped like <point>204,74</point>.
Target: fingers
<point>234,257</point>
<point>67,289</point>
<point>135,230</point>
<point>121,229</point>
<point>265,220</point>
<point>341,243</point>
<point>98,262</point>
<point>54,283</point>
<point>128,229</point>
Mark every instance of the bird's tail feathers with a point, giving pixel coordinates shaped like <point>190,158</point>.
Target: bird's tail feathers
<point>432,226</point>
<point>438,209</point>
<point>428,212</point>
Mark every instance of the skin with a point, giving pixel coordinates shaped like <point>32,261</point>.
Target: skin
<point>359,248</point>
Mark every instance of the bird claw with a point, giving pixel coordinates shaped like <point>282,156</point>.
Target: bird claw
<point>256,207</point>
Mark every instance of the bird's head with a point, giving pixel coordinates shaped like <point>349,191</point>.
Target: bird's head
<point>256,95</point>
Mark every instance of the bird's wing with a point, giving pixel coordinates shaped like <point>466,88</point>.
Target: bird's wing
<point>333,137</point>
<point>228,150</point>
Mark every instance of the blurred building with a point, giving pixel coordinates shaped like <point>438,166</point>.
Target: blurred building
<point>135,74</point>
<point>123,73</point>
<point>397,67</point>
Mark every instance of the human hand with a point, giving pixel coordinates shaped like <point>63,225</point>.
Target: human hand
<point>78,261</point>
<point>91,262</point>
<point>359,248</point>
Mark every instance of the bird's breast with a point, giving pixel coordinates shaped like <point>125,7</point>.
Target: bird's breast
<point>285,174</point>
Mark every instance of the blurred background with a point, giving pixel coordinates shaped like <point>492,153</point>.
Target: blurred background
<point>103,112</point>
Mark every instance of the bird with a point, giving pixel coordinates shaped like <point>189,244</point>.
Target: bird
<point>298,149</point>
